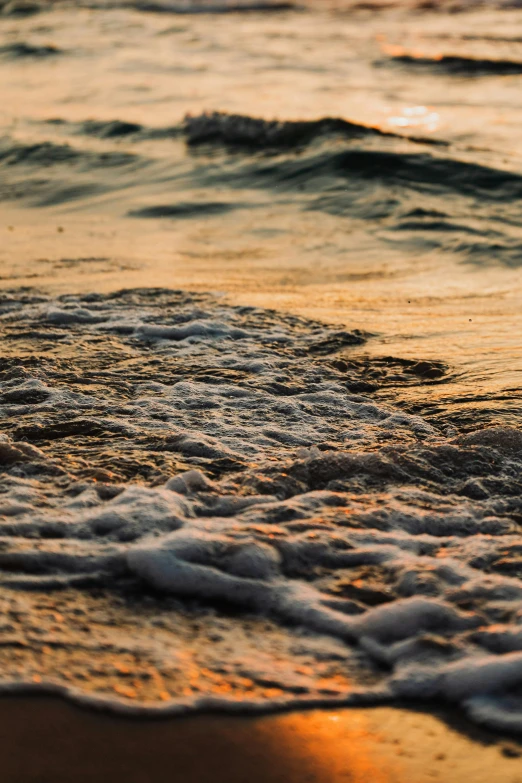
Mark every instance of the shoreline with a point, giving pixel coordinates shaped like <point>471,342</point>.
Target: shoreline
<point>414,318</point>
<point>382,744</point>
<point>97,534</point>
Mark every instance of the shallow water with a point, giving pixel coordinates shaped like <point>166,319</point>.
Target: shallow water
<point>234,518</point>
<point>417,242</point>
<point>332,510</point>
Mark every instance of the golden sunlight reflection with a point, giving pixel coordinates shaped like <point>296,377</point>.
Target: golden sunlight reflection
<point>416,117</point>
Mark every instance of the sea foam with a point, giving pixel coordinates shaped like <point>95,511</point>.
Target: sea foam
<point>216,506</point>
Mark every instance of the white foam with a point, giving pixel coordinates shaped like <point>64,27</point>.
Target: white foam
<point>257,479</point>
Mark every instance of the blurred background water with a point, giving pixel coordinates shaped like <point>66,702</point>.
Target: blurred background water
<point>402,218</point>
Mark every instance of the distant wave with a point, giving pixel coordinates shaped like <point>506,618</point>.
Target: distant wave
<point>109,129</point>
<point>112,129</point>
<point>237,131</point>
<point>184,210</point>
<point>429,6</point>
<point>19,9</point>
<point>158,7</point>
<point>460,65</point>
<point>22,49</point>
<point>221,8</point>
<point>47,154</point>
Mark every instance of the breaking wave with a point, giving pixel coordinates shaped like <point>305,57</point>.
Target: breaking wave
<point>236,130</point>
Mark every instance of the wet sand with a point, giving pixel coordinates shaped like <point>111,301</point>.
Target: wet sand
<point>382,745</point>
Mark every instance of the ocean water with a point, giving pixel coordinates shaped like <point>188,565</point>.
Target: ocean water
<point>261,364</point>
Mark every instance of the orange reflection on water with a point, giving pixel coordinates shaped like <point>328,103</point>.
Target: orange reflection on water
<point>394,50</point>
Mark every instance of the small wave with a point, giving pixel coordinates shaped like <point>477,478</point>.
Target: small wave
<point>20,8</point>
<point>212,8</point>
<point>424,170</point>
<point>236,130</point>
<point>117,129</point>
<point>185,210</point>
<point>43,154</point>
<point>471,245</point>
<point>109,129</point>
<point>421,171</point>
<point>460,65</point>
<point>46,154</point>
<point>22,50</point>
<point>158,7</point>
<point>46,174</point>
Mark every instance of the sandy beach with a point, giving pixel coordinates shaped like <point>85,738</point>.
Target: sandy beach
<point>381,745</point>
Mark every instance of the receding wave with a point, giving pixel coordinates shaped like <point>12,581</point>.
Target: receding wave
<point>185,455</point>
<point>333,166</point>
